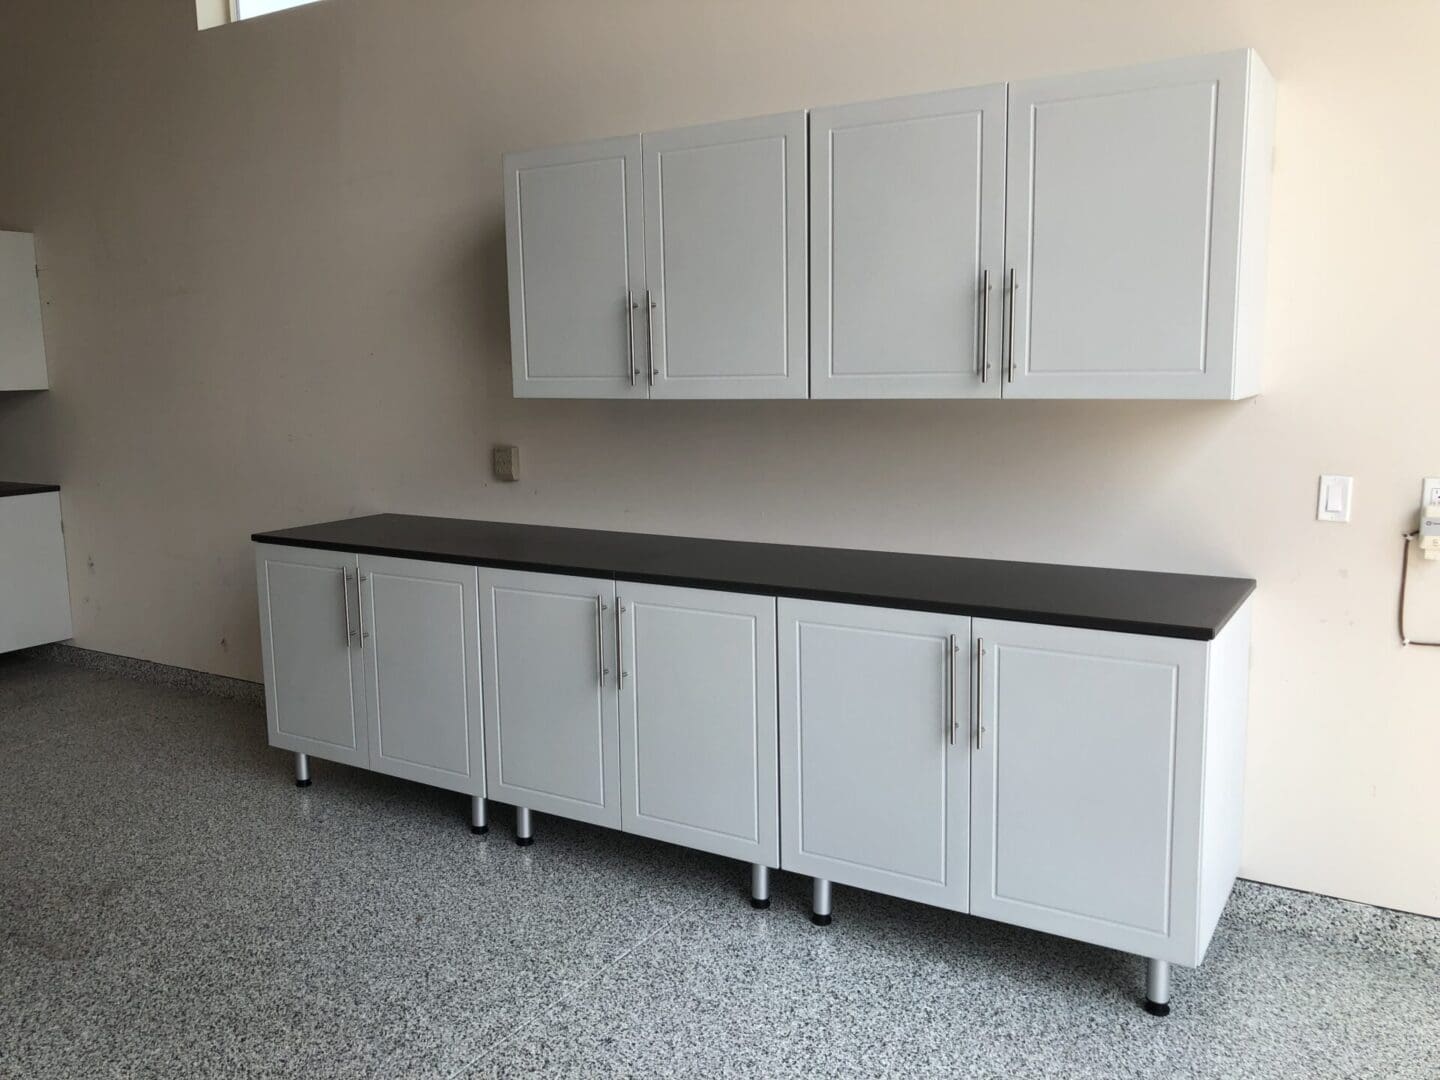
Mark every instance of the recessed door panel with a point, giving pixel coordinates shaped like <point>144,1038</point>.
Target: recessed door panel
<point>576,263</point>
<point>907,204</point>
<point>551,719</point>
<point>697,719</point>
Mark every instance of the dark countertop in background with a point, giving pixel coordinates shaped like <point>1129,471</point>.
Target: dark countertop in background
<point>1130,601</point>
<point>8,488</point>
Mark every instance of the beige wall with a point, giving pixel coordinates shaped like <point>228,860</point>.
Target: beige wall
<point>273,268</point>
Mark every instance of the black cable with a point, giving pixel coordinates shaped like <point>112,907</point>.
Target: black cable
<point>1404,577</point>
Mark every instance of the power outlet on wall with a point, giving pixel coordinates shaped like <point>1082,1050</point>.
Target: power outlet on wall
<point>1430,491</point>
<point>506,462</point>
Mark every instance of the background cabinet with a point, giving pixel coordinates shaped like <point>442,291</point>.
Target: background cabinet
<point>1137,210</point>
<point>697,720</point>
<point>22,341</point>
<point>373,662</point>
<point>875,763</point>
<point>551,712</point>
<point>34,580</point>
<point>1087,786</point>
<point>725,258</point>
<point>907,227</point>
<point>576,248</point>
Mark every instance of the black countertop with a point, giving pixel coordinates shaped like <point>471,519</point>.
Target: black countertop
<point>8,488</point>
<point>1129,601</point>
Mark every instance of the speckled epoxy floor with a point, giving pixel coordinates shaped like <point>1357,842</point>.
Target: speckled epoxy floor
<point>171,905</point>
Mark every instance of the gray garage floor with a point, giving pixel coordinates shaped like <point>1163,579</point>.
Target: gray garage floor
<point>171,905</point>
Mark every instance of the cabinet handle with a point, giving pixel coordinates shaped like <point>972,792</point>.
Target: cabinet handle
<point>650,336</point>
<point>979,693</point>
<point>1010,343</point>
<point>600,639</point>
<point>983,360</point>
<point>950,686</point>
<point>345,589</point>
<point>620,640</point>
<point>631,306</point>
<point>360,602</point>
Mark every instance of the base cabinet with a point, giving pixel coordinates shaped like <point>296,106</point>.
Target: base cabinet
<point>373,662</point>
<point>697,720</point>
<point>875,781</point>
<point>34,580</point>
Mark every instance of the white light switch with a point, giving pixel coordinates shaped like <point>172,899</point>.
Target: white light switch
<point>1335,498</point>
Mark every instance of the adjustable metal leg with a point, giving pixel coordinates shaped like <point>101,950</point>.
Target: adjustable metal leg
<point>477,814</point>
<point>759,885</point>
<point>820,903</point>
<point>524,827</point>
<point>1157,987</point>
<point>302,770</point>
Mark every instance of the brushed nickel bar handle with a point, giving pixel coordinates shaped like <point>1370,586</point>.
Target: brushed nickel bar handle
<point>984,359</point>
<point>1014,303</point>
<point>650,335</point>
<point>600,639</point>
<point>360,602</point>
<point>980,694</point>
<point>631,306</point>
<point>345,589</point>
<point>620,640</point>
<point>950,686</point>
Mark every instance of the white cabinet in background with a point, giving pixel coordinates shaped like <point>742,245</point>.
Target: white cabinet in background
<point>373,662</point>
<point>725,259</point>
<point>1136,217</point>
<point>875,762</point>
<point>34,580</point>
<point>907,230</point>
<point>697,719</point>
<point>576,250</point>
<point>22,341</point>
<point>1106,783</point>
<point>551,711</point>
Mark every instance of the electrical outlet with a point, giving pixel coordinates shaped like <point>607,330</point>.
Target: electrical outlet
<point>1430,491</point>
<point>506,462</point>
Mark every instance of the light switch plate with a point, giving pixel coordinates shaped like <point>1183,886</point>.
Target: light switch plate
<point>506,462</point>
<point>1336,496</point>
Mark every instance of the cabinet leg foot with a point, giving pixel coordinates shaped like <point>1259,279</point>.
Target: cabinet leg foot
<point>524,827</point>
<point>759,886</point>
<point>820,903</point>
<point>302,770</point>
<point>477,815</point>
<point>1157,987</point>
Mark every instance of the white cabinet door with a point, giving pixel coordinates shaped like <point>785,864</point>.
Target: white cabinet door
<point>552,727</point>
<point>34,580</point>
<point>574,240</point>
<point>310,648</point>
<point>697,719</point>
<point>725,259</point>
<point>421,633</point>
<point>875,763</point>
<point>1124,219</point>
<point>22,342</point>
<point>907,227</point>
<point>1087,785</point>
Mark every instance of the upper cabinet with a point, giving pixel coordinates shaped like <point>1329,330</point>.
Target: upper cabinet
<point>22,345</point>
<point>1137,211</point>
<point>907,245</point>
<point>1086,236</point>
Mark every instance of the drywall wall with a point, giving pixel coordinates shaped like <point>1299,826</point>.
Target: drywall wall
<point>272,261</point>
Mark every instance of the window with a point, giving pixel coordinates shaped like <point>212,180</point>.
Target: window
<point>210,13</point>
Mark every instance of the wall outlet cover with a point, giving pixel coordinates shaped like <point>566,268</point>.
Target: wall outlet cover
<point>506,463</point>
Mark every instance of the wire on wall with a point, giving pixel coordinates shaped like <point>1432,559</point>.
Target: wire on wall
<point>1404,580</point>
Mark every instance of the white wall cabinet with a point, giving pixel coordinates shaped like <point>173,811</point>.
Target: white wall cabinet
<point>34,581</point>
<point>1138,207</point>
<point>697,719</point>
<point>22,340</point>
<point>373,662</point>
<point>1100,235</point>
<point>551,713</point>
<point>875,781</point>
<point>907,246</point>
